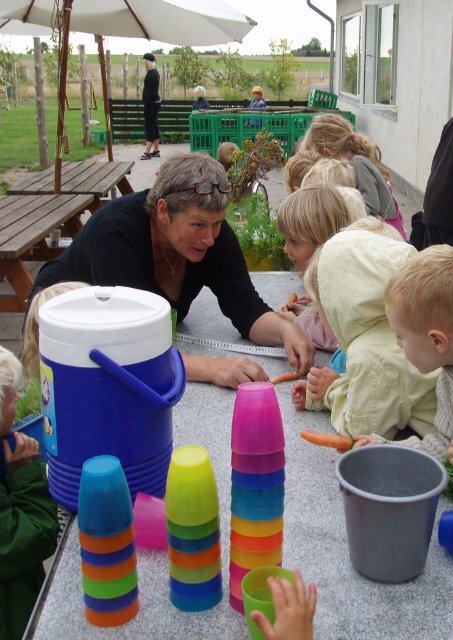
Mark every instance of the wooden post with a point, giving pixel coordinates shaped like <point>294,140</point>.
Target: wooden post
<point>108,68</point>
<point>40,108</point>
<point>138,87</point>
<point>125,77</point>
<point>15,85</point>
<point>84,97</point>
<point>100,43</point>
<point>63,71</point>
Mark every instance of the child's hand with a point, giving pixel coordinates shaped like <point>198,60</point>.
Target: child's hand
<point>299,394</point>
<point>26,447</point>
<point>363,441</point>
<point>450,452</point>
<point>319,380</point>
<point>294,610</point>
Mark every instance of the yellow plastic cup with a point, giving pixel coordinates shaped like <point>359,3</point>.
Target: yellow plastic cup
<point>257,595</point>
<point>248,560</point>
<point>256,528</point>
<point>191,496</point>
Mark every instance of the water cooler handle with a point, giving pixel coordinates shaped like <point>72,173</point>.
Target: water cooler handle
<point>164,401</point>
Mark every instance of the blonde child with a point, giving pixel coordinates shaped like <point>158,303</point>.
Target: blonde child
<point>28,515</point>
<point>200,99</point>
<point>307,218</point>
<point>298,166</point>
<point>224,153</point>
<point>380,392</point>
<point>334,137</point>
<point>419,306</point>
<point>30,348</point>
<point>340,172</point>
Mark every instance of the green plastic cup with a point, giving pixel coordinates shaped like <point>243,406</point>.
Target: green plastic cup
<point>174,317</point>
<point>191,496</point>
<point>257,595</point>
<point>193,533</point>
<point>110,588</point>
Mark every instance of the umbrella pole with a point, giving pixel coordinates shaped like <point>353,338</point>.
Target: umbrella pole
<point>67,7</point>
<point>105,95</point>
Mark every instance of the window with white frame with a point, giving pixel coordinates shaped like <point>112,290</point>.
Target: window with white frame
<point>380,47</point>
<point>350,59</point>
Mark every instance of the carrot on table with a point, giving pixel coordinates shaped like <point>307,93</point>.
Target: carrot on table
<point>285,378</point>
<point>342,443</point>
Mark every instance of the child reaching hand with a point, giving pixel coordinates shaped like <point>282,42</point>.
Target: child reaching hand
<point>28,515</point>
<point>380,392</point>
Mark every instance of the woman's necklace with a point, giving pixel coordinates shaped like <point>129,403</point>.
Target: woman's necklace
<point>171,266</point>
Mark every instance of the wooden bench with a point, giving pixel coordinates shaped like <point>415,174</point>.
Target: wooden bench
<point>89,176</point>
<point>25,222</point>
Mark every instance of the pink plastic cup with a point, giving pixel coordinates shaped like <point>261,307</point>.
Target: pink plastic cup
<point>237,572</point>
<point>257,426</point>
<point>267,463</point>
<point>150,522</point>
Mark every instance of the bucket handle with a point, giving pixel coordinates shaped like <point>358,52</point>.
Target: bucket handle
<point>164,401</point>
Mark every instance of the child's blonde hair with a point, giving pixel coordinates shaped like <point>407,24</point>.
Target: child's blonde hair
<point>330,134</point>
<point>340,172</point>
<point>200,92</point>
<point>224,153</point>
<point>298,166</point>
<point>310,279</point>
<point>422,290</point>
<point>30,348</point>
<point>354,202</point>
<point>375,224</point>
<point>11,372</point>
<point>314,213</point>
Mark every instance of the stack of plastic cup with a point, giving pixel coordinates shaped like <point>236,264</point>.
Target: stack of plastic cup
<point>192,508</point>
<point>258,484</point>
<point>107,543</point>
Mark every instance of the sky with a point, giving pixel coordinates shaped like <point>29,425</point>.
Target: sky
<point>291,19</point>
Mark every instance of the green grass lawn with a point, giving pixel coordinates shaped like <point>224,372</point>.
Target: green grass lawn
<point>19,134</point>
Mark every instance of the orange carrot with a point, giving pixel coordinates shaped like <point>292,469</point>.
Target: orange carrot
<point>292,298</point>
<point>341,443</point>
<point>285,378</point>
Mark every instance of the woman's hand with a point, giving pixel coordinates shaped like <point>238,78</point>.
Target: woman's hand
<point>224,372</point>
<point>299,394</point>
<point>319,380</point>
<point>287,315</point>
<point>301,352</point>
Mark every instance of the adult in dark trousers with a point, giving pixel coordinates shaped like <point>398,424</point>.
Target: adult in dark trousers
<point>438,202</point>
<point>151,101</point>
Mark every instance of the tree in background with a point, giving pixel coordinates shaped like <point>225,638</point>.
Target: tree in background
<point>189,69</point>
<point>280,75</point>
<point>311,49</point>
<point>231,79</point>
<point>51,62</point>
<point>7,59</point>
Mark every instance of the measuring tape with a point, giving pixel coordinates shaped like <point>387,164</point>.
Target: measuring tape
<point>272,352</point>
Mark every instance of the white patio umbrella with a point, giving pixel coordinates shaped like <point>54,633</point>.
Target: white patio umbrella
<point>18,28</point>
<point>183,22</point>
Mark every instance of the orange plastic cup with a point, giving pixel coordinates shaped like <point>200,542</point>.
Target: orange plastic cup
<point>112,618</point>
<point>109,572</point>
<point>195,560</point>
<point>255,560</point>
<point>107,544</point>
<point>252,544</point>
<point>256,528</point>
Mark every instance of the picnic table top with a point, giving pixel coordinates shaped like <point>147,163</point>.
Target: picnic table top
<point>87,176</point>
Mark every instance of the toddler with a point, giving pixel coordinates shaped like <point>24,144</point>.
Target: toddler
<point>419,306</point>
<point>200,99</point>
<point>224,153</point>
<point>297,167</point>
<point>28,515</point>
<point>380,392</point>
<point>334,137</point>
<point>340,172</point>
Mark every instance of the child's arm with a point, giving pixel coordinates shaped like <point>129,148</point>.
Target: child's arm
<point>450,452</point>
<point>28,519</point>
<point>294,609</point>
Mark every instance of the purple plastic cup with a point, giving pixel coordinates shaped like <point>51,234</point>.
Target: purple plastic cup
<point>266,463</point>
<point>257,426</point>
<point>150,522</point>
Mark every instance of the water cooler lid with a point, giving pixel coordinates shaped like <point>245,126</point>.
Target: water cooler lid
<point>129,325</point>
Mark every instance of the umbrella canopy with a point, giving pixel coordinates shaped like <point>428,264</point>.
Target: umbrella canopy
<point>183,22</point>
<point>18,28</point>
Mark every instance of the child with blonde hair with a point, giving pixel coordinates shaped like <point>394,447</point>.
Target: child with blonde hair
<point>381,391</point>
<point>307,218</point>
<point>340,172</point>
<point>28,515</point>
<point>200,99</point>
<point>30,348</point>
<point>298,166</point>
<point>224,154</point>
<point>419,306</point>
<point>334,137</point>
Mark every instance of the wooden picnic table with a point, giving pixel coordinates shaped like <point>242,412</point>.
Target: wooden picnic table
<point>88,176</point>
<point>25,222</point>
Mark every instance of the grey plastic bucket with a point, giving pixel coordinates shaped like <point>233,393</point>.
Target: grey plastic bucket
<point>390,496</point>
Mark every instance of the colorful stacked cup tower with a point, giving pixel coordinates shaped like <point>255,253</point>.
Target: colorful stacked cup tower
<point>192,508</point>
<point>258,484</point>
<point>107,543</point>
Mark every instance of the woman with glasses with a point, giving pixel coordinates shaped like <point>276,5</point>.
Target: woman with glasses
<point>172,240</point>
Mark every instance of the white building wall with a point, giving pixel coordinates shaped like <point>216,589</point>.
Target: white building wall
<point>409,136</point>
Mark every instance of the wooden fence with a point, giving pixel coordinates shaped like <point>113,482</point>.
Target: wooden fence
<point>127,121</point>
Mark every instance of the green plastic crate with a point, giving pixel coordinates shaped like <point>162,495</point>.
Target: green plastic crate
<point>203,142</point>
<point>228,124</point>
<point>322,99</point>
<point>98,136</point>
<point>202,123</point>
<point>300,122</point>
<point>278,122</point>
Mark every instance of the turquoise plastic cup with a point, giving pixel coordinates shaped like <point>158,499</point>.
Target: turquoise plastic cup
<point>105,506</point>
<point>191,497</point>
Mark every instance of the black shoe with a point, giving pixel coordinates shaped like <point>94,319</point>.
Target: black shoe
<point>155,154</point>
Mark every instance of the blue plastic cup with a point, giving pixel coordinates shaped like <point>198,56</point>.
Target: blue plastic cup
<point>258,496</point>
<point>105,506</point>
<point>193,546</point>
<point>198,590</point>
<point>202,603</point>
<point>445,531</point>
<point>257,512</point>
<point>107,559</point>
<point>258,480</point>
<point>111,604</point>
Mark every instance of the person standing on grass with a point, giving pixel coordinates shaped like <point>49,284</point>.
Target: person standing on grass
<point>152,103</point>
